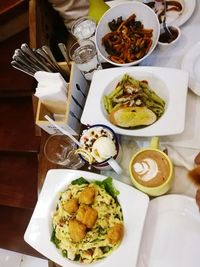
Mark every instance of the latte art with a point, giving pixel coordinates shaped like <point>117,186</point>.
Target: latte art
<point>146,169</point>
<point>150,168</point>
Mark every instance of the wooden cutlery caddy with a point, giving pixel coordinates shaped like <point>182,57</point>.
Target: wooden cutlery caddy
<point>66,115</point>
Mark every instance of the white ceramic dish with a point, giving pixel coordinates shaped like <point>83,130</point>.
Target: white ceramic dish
<point>178,19</point>
<point>134,207</point>
<point>125,9</point>
<point>191,63</point>
<point>171,84</point>
<point>164,45</point>
<point>188,9</point>
<point>171,233</point>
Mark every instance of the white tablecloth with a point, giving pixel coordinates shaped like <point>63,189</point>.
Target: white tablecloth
<point>187,143</point>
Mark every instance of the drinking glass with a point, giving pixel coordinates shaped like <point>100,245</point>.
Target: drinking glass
<point>85,56</point>
<point>84,28</point>
<point>61,150</point>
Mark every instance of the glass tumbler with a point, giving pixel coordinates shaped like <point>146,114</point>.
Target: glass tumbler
<point>84,28</point>
<point>60,149</point>
<point>85,56</point>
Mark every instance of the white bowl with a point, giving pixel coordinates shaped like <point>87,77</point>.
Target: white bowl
<point>143,13</point>
<point>169,43</point>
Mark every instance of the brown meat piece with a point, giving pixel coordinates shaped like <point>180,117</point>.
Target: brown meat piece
<point>71,206</point>
<point>197,159</point>
<point>87,215</point>
<point>77,230</point>
<point>87,195</point>
<point>194,175</point>
<point>198,198</point>
<point>115,234</point>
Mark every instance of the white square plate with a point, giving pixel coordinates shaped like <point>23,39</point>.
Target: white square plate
<point>134,207</point>
<point>170,84</point>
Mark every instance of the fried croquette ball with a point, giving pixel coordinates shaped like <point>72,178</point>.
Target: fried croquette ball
<point>71,206</point>
<point>87,215</point>
<point>87,195</point>
<point>77,230</point>
<point>115,234</point>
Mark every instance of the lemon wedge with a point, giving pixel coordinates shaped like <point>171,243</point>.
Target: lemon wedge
<point>85,154</point>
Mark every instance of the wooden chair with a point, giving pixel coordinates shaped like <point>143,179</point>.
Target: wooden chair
<point>19,146</point>
<point>13,17</point>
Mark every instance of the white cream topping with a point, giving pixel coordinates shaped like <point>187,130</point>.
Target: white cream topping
<point>103,148</point>
<point>147,169</point>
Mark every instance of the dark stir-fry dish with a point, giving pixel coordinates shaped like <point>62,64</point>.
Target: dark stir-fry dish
<point>128,40</point>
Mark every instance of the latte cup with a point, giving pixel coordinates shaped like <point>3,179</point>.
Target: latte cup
<point>151,170</point>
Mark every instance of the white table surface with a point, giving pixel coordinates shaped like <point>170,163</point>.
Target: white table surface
<point>188,143</point>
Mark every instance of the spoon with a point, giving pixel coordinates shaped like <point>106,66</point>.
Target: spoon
<point>115,166</point>
<point>64,52</point>
<point>29,53</point>
<point>48,52</point>
<point>20,67</point>
<point>165,27</point>
<point>42,55</point>
<point>23,61</point>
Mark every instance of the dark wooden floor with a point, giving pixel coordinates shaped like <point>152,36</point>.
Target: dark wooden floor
<point>19,148</point>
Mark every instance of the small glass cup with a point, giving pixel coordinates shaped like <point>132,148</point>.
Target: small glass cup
<point>84,28</point>
<point>60,149</point>
<point>85,56</point>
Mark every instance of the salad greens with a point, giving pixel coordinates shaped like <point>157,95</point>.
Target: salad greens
<point>54,239</point>
<point>80,181</point>
<point>106,184</point>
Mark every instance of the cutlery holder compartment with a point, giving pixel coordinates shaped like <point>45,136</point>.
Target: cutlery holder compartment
<point>66,115</point>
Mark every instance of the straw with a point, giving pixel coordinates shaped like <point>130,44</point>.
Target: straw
<point>62,130</point>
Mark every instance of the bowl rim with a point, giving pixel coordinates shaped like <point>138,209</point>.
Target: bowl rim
<point>154,44</point>
<point>175,40</point>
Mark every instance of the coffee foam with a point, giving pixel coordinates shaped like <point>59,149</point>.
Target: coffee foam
<point>146,169</point>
